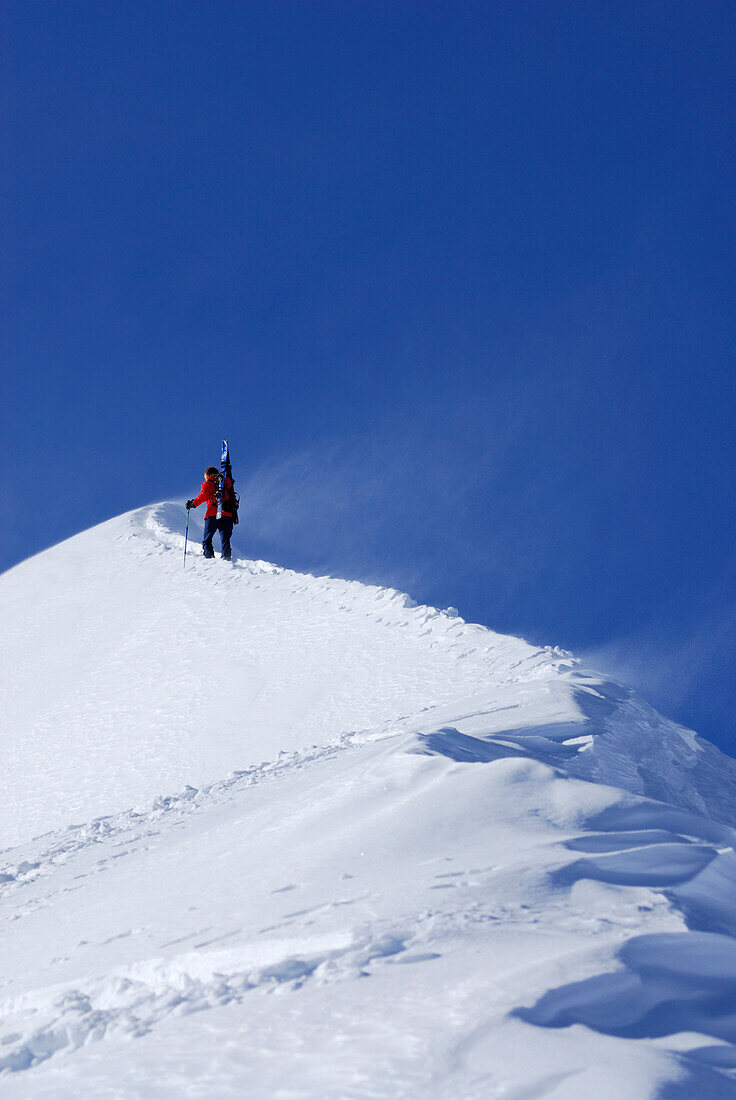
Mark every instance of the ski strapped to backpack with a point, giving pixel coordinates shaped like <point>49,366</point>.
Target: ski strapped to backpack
<point>227,499</point>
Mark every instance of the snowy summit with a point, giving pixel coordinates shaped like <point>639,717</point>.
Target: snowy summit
<point>274,835</point>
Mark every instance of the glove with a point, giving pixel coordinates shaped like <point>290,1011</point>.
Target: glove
<point>190,504</point>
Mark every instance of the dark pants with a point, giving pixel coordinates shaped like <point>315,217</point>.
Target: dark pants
<point>226,530</point>
<point>225,527</point>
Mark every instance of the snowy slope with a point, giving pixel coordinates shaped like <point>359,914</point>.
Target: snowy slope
<point>394,854</point>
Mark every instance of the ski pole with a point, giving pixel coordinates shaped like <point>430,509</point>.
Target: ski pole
<point>186,536</point>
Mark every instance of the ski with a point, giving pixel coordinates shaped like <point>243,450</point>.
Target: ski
<point>224,472</point>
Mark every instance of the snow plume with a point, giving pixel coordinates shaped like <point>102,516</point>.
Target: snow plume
<point>356,507</point>
<point>667,669</point>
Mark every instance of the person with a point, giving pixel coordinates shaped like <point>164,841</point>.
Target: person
<point>208,494</point>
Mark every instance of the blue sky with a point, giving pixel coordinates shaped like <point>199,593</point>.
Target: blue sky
<point>456,280</point>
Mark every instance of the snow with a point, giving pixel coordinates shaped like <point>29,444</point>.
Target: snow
<point>276,835</point>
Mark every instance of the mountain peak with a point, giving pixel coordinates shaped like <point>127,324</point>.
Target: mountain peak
<point>232,779</point>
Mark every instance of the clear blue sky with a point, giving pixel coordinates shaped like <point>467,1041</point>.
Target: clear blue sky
<point>456,279</point>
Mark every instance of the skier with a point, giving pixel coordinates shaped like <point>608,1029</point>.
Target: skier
<point>208,494</point>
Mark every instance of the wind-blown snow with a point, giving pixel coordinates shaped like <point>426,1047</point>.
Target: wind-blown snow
<point>268,834</point>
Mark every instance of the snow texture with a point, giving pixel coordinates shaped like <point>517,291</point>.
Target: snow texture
<point>277,835</point>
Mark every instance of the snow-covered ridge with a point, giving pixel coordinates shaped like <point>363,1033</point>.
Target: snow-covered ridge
<point>625,741</point>
<point>230,781</point>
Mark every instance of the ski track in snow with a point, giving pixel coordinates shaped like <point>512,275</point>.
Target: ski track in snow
<point>531,814</point>
<point>134,827</point>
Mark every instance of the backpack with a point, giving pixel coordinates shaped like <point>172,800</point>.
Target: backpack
<point>230,500</point>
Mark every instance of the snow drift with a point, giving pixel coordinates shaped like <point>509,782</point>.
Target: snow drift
<point>279,835</point>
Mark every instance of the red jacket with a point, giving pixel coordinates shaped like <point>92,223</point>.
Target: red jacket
<point>207,493</point>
